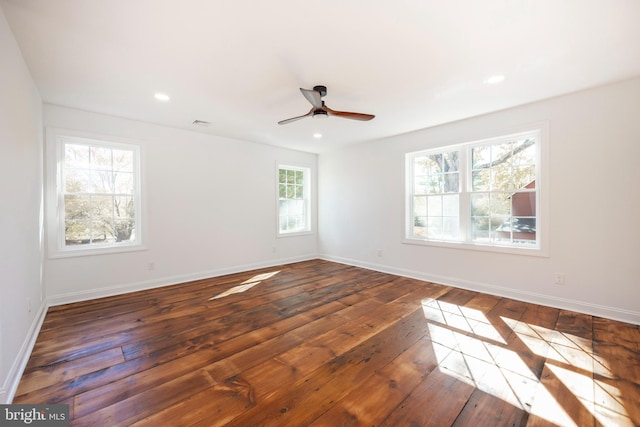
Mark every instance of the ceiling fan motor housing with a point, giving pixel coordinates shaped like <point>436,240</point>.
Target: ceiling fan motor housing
<point>322,90</point>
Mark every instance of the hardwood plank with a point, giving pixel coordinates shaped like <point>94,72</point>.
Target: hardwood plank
<point>308,396</point>
<point>435,402</point>
<point>144,404</point>
<point>52,375</point>
<point>331,344</point>
<point>485,409</point>
<point>377,397</point>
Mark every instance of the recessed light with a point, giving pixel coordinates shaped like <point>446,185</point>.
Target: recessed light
<point>494,80</point>
<point>162,97</point>
<point>317,135</point>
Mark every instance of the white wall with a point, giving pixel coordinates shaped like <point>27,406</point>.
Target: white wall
<point>20,207</point>
<point>594,203</point>
<point>209,206</point>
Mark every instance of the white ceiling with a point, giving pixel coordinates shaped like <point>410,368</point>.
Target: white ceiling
<point>239,63</point>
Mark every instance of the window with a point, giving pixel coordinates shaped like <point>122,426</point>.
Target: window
<point>483,193</point>
<point>97,196</point>
<point>293,200</point>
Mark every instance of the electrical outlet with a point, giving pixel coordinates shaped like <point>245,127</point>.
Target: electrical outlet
<point>151,265</point>
<point>380,252</point>
<point>558,278</point>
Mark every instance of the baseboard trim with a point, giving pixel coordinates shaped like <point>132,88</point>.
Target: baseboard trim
<point>125,288</point>
<point>12,380</point>
<point>598,310</point>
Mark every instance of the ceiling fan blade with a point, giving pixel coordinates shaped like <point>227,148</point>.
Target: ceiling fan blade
<point>313,97</point>
<point>293,119</point>
<point>348,115</point>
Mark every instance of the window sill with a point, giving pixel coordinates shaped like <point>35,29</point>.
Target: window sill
<point>296,234</point>
<point>80,252</point>
<point>533,251</point>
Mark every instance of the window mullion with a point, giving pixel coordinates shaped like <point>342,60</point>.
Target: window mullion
<point>465,187</point>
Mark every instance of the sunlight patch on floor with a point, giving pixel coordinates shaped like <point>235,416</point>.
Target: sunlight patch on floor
<point>471,349</point>
<point>571,360</point>
<point>246,285</point>
<point>462,318</point>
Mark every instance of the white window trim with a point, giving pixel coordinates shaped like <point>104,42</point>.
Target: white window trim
<point>54,218</point>
<point>542,217</point>
<point>308,199</point>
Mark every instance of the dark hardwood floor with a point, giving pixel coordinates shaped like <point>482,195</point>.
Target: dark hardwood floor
<point>325,344</point>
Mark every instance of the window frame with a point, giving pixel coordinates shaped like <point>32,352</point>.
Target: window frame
<point>54,193</point>
<point>540,130</point>
<point>307,199</point>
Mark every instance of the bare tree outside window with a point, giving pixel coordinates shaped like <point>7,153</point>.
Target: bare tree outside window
<point>98,194</point>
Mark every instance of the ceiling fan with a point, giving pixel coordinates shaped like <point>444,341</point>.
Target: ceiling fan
<point>319,110</point>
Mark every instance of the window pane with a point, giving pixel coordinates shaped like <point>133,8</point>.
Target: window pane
<point>291,191</point>
<point>523,204</point>
<point>77,233</point>
<point>299,191</point>
<point>123,160</point>
<point>101,158</point>
<point>434,206</point>
<point>481,180</point>
<point>419,228</point>
<point>124,207</point>
<point>451,182</point>
<point>434,184</point>
<point>76,207</point>
<point>124,183</point>
<point>284,204</point>
<point>102,182</point>
<point>434,228</point>
<point>450,162</point>
<point>480,204</point>
<point>291,177</point>
<point>297,207</point>
<point>124,230</point>
<point>481,156</point>
<point>451,228</point>
<point>433,164</point>
<point>524,176</point>
<point>500,204</point>
<point>102,207</point>
<point>291,223</point>
<point>102,230</point>
<point>76,156</point>
<point>497,224</point>
<point>526,156</point>
<point>480,228</point>
<point>420,206</point>
<point>76,181</point>
<point>451,205</point>
<point>282,176</point>
<point>501,175</point>
<point>501,152</point>
<point>282,191</point>
<point>420,185</point>
<point>420,166</point>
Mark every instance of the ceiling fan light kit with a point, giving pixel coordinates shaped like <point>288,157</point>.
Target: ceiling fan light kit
<point>320,111</point>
